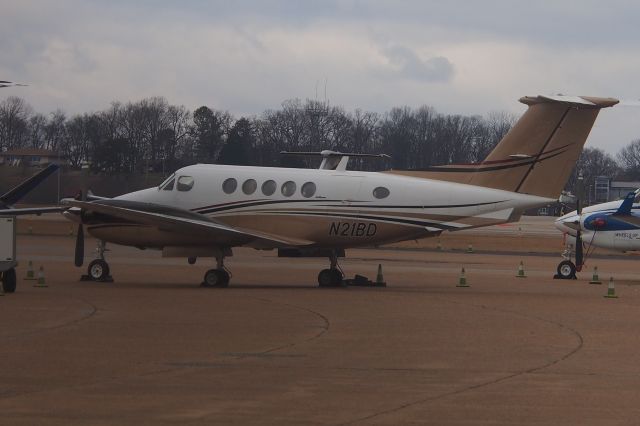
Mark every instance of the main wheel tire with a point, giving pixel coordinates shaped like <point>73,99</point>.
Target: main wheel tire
<point>9,281</point>
<point>98,270</point>
<point>566,270</point>
<point>216,278</point>
<point>330,278</point>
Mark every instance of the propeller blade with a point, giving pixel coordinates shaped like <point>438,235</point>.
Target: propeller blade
<point>79,260</point>
<point>579,253</point>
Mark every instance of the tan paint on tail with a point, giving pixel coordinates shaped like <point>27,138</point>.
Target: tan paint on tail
<point>539,152</point>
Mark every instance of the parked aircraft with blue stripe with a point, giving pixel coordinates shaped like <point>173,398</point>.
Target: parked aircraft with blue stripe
<point>614,225</point>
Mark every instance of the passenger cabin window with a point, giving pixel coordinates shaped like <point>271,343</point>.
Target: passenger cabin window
<point>381,192</point>
<point>185,183</point>
<point>308,189</point>
<point>229,185</point>
<point>269,187</point>
<point>169,185</point>
<point>288,188</point>
<point>249,186</point>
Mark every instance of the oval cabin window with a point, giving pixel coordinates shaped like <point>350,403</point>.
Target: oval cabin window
<point>288,188</point>
<point>249,186</point>
<point>381,192</point>
<point>229,185</point>
<point>308,189</point>
<point>269,187</point>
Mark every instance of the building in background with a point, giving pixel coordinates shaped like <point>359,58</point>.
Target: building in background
<point>619,189</point>
<point>31,157</point>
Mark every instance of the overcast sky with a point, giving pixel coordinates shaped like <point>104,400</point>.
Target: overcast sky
<point>468,57</point>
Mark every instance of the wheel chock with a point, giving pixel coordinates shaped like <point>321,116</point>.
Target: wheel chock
<point>107,279</point>
<point>611,290</point>
<point>595,279</point>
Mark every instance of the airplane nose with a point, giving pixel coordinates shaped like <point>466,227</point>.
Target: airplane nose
<point>568,223</point>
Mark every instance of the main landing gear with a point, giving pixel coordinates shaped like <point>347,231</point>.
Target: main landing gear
<point>98,269</point>
<point>220,276</point>
<point>332,277</point>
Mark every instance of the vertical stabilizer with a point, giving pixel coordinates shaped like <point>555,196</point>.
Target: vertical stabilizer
<point>537,155</point>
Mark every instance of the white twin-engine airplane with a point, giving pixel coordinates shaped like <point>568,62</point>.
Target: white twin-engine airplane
<point>614,225</point>
<point>206,210</point>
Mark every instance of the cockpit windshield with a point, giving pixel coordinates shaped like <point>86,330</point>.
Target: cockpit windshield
<point>637,198</point>
<point>167,185</point>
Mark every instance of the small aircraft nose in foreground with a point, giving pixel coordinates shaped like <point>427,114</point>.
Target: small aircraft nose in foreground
<point>614,225</point>
<point>569,223</point>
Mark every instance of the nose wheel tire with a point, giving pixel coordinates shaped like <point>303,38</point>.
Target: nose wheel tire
<point>330,278</point>
<point>216,278</point>
<point>98,270</point>
<point>566,270</point>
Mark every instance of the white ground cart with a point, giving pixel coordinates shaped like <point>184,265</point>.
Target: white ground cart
<point>8,261</point>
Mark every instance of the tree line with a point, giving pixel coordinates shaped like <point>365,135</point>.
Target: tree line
<point>152,135</point>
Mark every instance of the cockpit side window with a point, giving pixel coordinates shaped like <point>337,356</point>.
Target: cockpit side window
<point>637,198</point>
<point>185,183</point>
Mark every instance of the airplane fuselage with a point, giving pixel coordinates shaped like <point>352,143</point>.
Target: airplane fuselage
<point>320,208</point>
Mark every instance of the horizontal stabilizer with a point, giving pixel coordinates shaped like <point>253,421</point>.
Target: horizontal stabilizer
<point>334,160</point>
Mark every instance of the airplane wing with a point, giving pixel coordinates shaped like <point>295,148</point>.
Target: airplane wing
<point>629,219</point>
<point>181,221</point>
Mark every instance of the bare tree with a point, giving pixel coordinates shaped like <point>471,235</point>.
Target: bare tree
<point>36,129</point>
<point>14,116</point>
<point>54,130</point>
<point>629,159</point>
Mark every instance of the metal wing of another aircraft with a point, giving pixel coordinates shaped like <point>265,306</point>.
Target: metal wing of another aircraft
<point>31,210</point>
<point>177,220</point>
<point>17,193</point>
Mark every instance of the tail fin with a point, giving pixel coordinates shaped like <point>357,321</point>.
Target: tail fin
<point>537,155</point>
<point>15,194</point>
